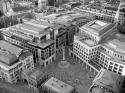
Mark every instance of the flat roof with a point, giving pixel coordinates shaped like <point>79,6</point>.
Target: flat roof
<point>24,55</point>
<point>36,74</point>
<point>116,43</point>
<point>58,86</point>
<point>109,80</point>
<point>42,44</point>
<point>52,16</point>
<point>31,28</point>
<point>86,41</point>
<point>10,48</point>
<point>89,42</point>
<point>43,24</point>
<point>97,27</point>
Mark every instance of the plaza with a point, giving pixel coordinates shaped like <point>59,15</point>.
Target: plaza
<point>73,74</point>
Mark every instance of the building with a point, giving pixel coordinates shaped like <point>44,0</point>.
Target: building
<point>70,5</point>
<point>112,56</point>
<point>13,60</point>
<point>71,21</point>
<point>54,85</point>
<point>19,11</point>
<point>5,6</point>
<point>36,36</point>
<point>42,3</point>
<point>85,48</point>
<point>98,30</point>
<point>24,3</point>
<point>106,14</point>
<point>88,42</point>
<point>107,81</point>
<point>35,78</point>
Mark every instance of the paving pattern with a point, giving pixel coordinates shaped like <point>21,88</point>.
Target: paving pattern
<point>75,74</point>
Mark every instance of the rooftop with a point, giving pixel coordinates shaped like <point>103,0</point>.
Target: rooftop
<point>24,55</point>
<point>42,44</point>
<point>36,74</point>
<point>58,86</point>
<point>116,44</point>
<point>10,48</point>
<point>85,40</point>
<point>97,27</point>
<point>7,58</point>
<point>21,32</point>
<point>32,28</point>
<point>19,9</point>
<point>52,16</point>
<point>109,80</point>
<point>41,24</point>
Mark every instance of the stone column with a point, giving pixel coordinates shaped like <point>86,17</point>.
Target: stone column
<point>63,54</point>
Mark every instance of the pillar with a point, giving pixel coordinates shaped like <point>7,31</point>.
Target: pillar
<point>86,65</point>
<point>83,64</point>
<point>79,60</point>
<point>94,72</point>
<point>69,53</point>
<point>44,64</point>
<point>90,69</point>
<point>63,54</point>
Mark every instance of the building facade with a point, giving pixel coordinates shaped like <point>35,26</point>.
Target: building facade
<point>35,78</point>
<point>70,22</point>
<point>107,81</point>
<point>36,36</point>
<point>111,55</point>
<point>106,14</point>
<point>13,60</point>
<point>87,43</point>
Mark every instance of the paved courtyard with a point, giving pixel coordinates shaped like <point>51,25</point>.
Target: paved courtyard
<point>74,74</point>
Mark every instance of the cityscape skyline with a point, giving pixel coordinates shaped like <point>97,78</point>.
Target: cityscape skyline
<point>71,46</point>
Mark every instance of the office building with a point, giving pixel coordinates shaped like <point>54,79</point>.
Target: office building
<point>106,14</point>
<point>36,36</point>
<point>70,5</point>
<point>70,22</point>
<point>35,78</point>
<point>85,48</point>
<point>19,11</point>
<point>88,42</point>
<point>54,85</point>
<point>13,60</point>
<point>98,30</point>
<point>111,56</point>
<point>107,81</point>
